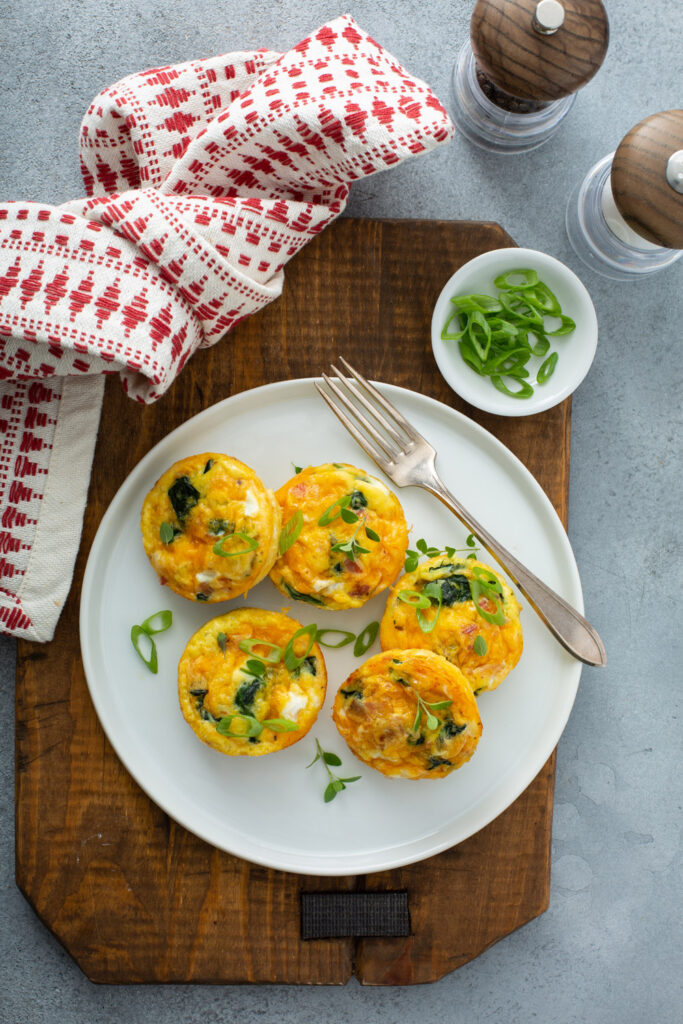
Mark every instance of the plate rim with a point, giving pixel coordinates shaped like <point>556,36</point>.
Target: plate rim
<point>287,860</point>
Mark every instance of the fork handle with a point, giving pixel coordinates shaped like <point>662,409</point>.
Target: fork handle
<point>566,624</point>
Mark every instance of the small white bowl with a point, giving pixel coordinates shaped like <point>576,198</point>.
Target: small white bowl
<point>576,350</point>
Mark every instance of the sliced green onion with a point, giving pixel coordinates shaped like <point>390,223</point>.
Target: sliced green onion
<point>157,623</point>
<point>470,357</point>
<point>273,653</point>
<point>251,543</point>
<point>481,337</point>
<point>530,278</point>
<point>547,368</point>
<point>445,335</point>
<point>254,727</point>
<point>346,638</point>
<point>541,345</point>
<point>366,639</point>
<point>280,725</point>
<point>525,389</point>
<point>432,590</point>
<point>545,300</point>
<point>495,339</point>
<point>255,667</point>
<point>476,303</point>
<point>290,531</point>
<point>478,591</point>
<point>413,598</point>
<point>150,656</point>
<point>566,327</point>
<point>487,578</point>
<point>292,660</point>
<point>334,510</point>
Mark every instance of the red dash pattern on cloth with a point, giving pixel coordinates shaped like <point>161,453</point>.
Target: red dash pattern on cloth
<point>202,180</point>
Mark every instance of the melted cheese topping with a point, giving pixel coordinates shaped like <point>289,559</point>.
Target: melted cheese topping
<point>376,711</point>
<point>213,682</point>
<point>203,500</point>
<point>459,623</point>
<point>311,570</point>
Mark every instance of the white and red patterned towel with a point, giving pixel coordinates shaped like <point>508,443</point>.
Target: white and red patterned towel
<point>203,180</point>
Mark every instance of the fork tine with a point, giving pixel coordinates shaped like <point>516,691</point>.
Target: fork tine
<point>368,448</point>
<point>358,395</point>
<point>407,427</point>
<point>381,442</point>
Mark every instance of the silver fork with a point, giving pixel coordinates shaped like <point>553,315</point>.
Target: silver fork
<point>408,459</point>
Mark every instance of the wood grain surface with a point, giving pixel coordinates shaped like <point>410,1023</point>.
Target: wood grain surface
<point>133,896</point>
<point>533,66</point>
<point>645,199</point>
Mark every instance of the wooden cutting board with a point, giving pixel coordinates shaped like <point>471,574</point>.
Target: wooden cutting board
<point>133,896</point>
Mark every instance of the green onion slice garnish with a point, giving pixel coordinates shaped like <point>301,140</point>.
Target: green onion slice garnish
<point>413,598</point>
<point>280,725</point>
<point>334,510</point>
<point>479,591</point>
<point>251,545</point>
<point>346,638</point>
<point>366,639</point>
<point>145,648</point>
<point>290,531</point>
<point>250,726</point>
<point>431,590</point>
<point>292,660</point>
<point>273,653</point>
<point>157,623</point>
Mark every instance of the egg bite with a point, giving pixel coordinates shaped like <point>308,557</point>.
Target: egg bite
<point>235,689</point>
<point>352,540</point>
<point>210,527</point>
<point>410,714</point>
<point>484,650</point>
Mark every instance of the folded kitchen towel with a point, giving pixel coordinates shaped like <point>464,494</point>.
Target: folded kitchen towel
<point>202,180</point>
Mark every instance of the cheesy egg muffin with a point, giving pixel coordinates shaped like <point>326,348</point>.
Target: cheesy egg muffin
<point>210,527</point>
<point>350,536</point>
<point>483,640</point>
<point>408,713</point>
<point>251,682</point>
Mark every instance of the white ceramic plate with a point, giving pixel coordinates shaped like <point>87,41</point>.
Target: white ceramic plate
<point>270,809</point>
<point>576,350</point>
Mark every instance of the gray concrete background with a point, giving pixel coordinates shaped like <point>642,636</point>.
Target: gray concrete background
<point>608,949</point>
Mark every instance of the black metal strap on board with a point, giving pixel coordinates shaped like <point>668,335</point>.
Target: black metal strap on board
<point>334,915</point>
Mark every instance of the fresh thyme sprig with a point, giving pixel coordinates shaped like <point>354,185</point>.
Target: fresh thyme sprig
<point>429,551</point>
<point>431,721</point>
<point>335,785</point>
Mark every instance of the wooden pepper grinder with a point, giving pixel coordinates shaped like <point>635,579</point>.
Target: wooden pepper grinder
<point>625,219</point>
<point>517,77</point>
